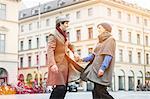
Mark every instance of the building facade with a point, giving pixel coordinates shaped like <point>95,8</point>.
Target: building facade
<point>131,30</point>
<point>9,41</point>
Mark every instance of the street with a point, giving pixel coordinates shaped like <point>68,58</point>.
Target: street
<point>82,95</point>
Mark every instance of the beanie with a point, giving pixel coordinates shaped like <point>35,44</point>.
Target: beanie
<point>106,26</point>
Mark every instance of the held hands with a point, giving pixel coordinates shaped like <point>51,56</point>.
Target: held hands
<point>76,57</point>
<point>54,69</point>
<point>100,73</point>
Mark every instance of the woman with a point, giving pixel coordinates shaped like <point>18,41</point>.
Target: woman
<point>58,61</point>
<point>100,70</point>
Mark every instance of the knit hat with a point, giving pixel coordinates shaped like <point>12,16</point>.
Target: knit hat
<point>106,26</point>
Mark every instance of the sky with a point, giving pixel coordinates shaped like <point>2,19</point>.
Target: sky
<point>31,3</point>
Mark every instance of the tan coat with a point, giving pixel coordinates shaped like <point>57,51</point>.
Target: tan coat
<point>105,48</point>
<point>57,55</point>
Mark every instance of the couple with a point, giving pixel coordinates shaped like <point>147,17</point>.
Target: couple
<point>99,71</point>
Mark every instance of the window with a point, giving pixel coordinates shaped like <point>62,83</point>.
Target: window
<point>130,56</point>
<point>60,3</point>
<point>139,57</point>
<point>38,25</point>
<point>145,22</point>
<point>46,58</point>
<point>46,38</point>
<point>35,11</point>
<point>30,26</point>
<point>128,17</point>
<point>79,52</point>
<point>138,38</point>
<point>119,14</point>
<point>23,15</point>
<point>21,45</point>
<point>78,14</point>
<point>22,28</point>
<point>68,16</point>
<point>37,59</point>
<point>47,22</point>
<point>78,35</point>
<point>29,44</point>
<point>47,7</point>
<point>129,36</point>
<point>90,50</point>
<point>108,12</point>
<point>120,35</point>
<point>120,55</point>
<point>137,20</point>
<point>90,11</point>
<point>147,58</point>
<point>2,11</point>
<point>21,62</point>
<point>146,40</point>
<point>37,42</point>
<point>90,32</point>
<point>2,42</point>
<point>29,61</point>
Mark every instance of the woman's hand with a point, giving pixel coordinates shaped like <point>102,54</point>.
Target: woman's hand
<point>54,69</point>
<point>100,73</point>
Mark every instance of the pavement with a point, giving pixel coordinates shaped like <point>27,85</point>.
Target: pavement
<point>83,95</point>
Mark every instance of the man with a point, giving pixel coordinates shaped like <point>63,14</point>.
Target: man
<point>58,60</point>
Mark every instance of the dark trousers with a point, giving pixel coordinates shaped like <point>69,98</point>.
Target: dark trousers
<point>58,92</point>
<point>100,92</point>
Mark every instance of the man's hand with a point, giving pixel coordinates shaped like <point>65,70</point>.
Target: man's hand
<point>76,57</point>
<point>54,69</point>
<point>100,73</point>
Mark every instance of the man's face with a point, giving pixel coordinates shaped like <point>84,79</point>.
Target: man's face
<point>64,26</point>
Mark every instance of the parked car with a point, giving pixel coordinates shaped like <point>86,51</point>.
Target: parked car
<point>72,88</point>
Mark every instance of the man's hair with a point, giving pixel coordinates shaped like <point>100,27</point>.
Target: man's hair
<point>57,25</point>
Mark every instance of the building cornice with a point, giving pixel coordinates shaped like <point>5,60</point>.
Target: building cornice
<point>54,7</point>
<point>128,6</point>
<point>2,28</point>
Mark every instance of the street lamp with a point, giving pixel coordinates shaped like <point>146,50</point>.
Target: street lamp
<point>144,46</point>
<point>38,46</point>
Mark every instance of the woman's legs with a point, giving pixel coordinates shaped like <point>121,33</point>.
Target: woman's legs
<point>100,92</point>
<point>58,92</point>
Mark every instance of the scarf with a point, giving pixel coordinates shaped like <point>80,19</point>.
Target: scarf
<point>102,37</point>
<point>62,32</point>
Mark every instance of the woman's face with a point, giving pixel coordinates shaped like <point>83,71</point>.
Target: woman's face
<point>64,26</point>
<point>100,29</point>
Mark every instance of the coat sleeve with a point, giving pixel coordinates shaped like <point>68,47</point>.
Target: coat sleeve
<point>71,47</point>
<point>51,50</point>
<point>109,48</point>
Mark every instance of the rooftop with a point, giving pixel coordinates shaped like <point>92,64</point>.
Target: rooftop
<point>57,4</point>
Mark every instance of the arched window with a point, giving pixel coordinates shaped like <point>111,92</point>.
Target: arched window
<point>3,76</point>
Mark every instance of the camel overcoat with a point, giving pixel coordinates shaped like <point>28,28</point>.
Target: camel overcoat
<point>57,55</point>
